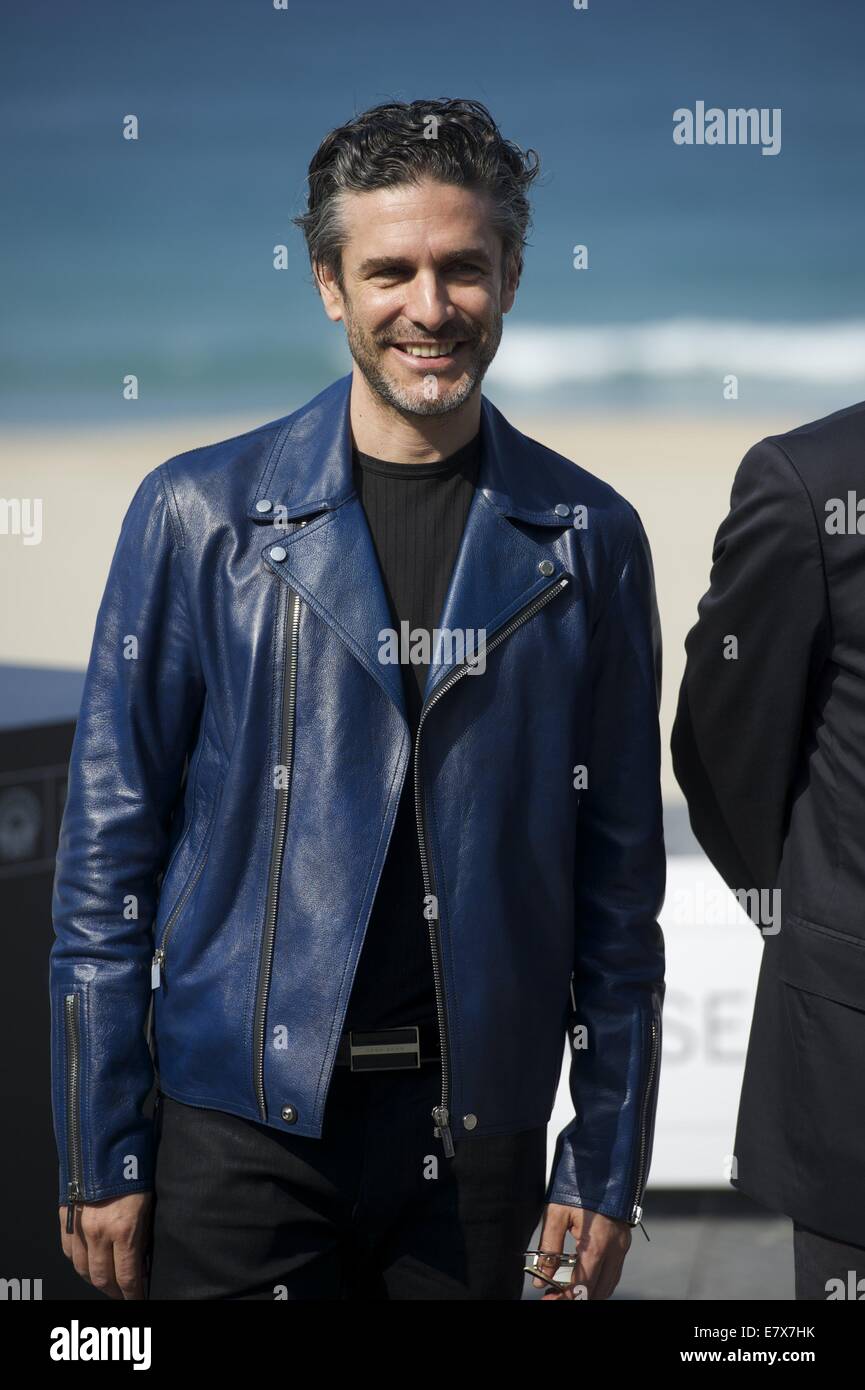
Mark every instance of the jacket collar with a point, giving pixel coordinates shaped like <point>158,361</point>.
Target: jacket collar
<point>309,466</point>
<point>331,562</point>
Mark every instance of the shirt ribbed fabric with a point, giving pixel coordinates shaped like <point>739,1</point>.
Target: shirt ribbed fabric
<point>416,515</point>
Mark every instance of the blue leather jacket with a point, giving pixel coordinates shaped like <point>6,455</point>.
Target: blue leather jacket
<point>234,778</point>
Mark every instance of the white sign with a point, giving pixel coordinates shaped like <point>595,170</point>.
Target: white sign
<point>713,952</point>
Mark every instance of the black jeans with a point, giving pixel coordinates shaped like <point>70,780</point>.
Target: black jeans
<point>818,1259</point>
<point>371,1210</point>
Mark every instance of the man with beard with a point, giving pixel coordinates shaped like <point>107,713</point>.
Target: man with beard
<point>391,890</point>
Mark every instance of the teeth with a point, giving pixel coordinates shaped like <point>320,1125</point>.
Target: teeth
<point>437,350</point>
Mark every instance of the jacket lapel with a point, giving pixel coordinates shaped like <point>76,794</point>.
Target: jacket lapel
<point>331,559</point>
<point>498,568</point>
<point>496,573</point>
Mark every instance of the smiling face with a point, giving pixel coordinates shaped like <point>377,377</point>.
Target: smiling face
<point>423,292</point>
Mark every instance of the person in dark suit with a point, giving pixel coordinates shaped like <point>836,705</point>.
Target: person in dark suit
<point>769,748</point>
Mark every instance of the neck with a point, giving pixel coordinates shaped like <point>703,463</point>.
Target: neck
<point>384,432</point>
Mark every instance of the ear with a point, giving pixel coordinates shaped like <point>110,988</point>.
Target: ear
<point>510,280</point>
<point>328,288</point>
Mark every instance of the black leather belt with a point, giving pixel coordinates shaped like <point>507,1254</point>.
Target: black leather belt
<point>388,1049</point>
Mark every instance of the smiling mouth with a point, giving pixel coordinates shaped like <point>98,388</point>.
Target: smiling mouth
<point>430,351</point>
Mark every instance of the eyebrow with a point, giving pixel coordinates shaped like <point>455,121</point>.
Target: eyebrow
<point>373,264</point>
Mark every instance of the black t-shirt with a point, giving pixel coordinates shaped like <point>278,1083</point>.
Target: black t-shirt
<point>416,514</point>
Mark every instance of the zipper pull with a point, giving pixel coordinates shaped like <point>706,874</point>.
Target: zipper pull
<point>637,1220</point>
<point>72,1199</point>
<point>442,1130</point>
<point>156,968</point>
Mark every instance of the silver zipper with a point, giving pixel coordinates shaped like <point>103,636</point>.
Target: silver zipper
<point>636,1209</point>
<point>75,1188</point>
<point>292,620</point>
<point>440,1113</point>
<point>157,965</point>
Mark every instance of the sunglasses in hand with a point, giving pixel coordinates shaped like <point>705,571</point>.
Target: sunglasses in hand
<point>561,1266</point>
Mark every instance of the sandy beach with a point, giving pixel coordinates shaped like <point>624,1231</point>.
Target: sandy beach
<point>677,472</point>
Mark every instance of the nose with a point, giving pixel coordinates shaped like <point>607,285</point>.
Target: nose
<point>428,303</point>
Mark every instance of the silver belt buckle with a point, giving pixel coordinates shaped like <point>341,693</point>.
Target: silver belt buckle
<point>410,1045</point>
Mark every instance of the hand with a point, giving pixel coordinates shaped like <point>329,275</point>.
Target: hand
<point>601,1247</point>
<point>108,1243</point>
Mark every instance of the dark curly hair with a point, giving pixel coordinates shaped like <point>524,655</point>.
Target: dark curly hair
<point>454,141</point>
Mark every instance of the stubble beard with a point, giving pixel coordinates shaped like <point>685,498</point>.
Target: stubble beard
<point>414,400</point>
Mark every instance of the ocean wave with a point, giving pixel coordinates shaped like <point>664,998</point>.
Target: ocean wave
<point>537,356</point>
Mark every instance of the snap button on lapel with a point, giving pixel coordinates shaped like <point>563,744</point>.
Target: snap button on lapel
<point>545,567</point>
<point>278,552</point>
<point>562,510</point>
<point>470,1121</point>
<point>263,505</point>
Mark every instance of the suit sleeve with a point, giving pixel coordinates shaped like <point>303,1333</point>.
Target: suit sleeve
<point>141,702</point>
<point>602,1157</point>
<point>761,633</point>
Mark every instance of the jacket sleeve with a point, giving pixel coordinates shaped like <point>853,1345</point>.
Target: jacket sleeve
<point>142,698</point>
<point>760,635</point>
<point>602,1157</point>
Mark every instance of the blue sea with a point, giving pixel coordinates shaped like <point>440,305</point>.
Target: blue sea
<point>155,256</point>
